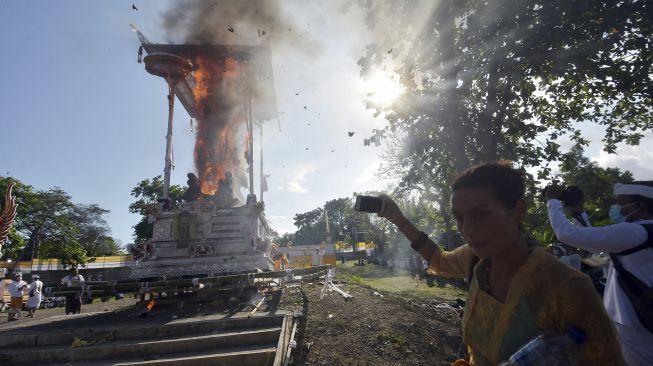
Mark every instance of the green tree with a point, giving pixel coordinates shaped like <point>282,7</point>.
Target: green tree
<point>49,228</point>
<point>490,80</point>
<point>49,225</point>
<point>506,80</point>
<point>311,227</point>
<point>94,234</point>
<point>343,223</point>
<point>147,193</point>
<point>347,225</point>
<point>103,246</point>
<point>284,239</point>
<point>596,182</point>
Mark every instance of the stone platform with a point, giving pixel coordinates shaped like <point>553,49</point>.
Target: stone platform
<point>201,237</point>
<point>211,266</point>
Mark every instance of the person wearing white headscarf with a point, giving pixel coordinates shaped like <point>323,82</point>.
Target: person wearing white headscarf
<point>632,208</point>
<point>16,290</point>
<point>34,290</point>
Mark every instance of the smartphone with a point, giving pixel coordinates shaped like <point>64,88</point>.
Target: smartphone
<point>369,204</point>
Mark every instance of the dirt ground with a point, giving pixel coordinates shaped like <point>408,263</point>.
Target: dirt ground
<point>373,328</point>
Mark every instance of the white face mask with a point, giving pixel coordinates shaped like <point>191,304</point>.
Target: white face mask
<point>615,213</point>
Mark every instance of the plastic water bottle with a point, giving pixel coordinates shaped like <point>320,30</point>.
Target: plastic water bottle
<point>549,350</point>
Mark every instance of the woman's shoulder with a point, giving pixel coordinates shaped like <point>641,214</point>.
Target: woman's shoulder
<point>553,282</point>
<point>551,271</point>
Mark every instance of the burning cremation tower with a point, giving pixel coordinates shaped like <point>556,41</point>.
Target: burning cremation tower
<point>226,89</point>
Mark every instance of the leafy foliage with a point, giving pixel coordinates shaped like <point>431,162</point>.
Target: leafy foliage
<point>147,193</point>
<point>49,225</point>
<point>490,80</point>
<point>312,225</point>
<point>505,80</point>
<point>596,183</point>
<point>347,225</point>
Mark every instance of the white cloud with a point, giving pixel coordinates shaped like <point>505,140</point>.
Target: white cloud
<point>296,187</point>
<point>367,179</point>
<point>297,179</point>
<point>636,159</point>
<point>277,217</point>
<point>282,224</point>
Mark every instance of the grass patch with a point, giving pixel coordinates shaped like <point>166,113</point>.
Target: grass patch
<point>394,338</point>
<point>398,282</point>
<point>340,323</point>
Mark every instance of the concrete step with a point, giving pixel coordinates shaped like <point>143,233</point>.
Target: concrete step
<point>19,340</point>
<point>134,348</point>
<point>245,356</point>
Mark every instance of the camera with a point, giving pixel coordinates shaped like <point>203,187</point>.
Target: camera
<point>571,195</point>
<point>370,204</point>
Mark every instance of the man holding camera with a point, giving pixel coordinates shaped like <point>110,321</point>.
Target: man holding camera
<point>630,242</point>
<point>572,198</point>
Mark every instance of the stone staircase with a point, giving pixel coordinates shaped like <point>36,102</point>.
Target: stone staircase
<point>238,341</point>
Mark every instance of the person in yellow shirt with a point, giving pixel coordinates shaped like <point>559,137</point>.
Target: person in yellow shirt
<point>517,290</point>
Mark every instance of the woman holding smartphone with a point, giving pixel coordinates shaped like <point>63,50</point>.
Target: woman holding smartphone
<point>517,291</point>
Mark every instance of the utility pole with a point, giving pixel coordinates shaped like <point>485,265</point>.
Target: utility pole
<point>326,219</point>
<point>260,146</point>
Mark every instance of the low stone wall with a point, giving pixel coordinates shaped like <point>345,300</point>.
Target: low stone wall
<point>53,278</point>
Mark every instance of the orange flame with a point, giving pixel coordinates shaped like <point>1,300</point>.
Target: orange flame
<point>218,95</point>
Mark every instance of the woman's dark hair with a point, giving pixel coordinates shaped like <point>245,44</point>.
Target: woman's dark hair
<point>507,184</point>
<point>648,201</point>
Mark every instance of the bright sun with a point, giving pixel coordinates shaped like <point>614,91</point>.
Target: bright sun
<point>382,89</point>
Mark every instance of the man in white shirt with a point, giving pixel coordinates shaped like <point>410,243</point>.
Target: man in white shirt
<point>633,208</point>
<point>73,279</point>
<point>73,301</point>
<point>573,202</point>
<point>16,291</point>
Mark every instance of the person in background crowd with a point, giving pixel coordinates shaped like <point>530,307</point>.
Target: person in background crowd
<point>74,301</point>
<point>517,291</point>
<point>2,284</point>
<point>631,213</point>
<point>16,291</point>
<point>34,291</point>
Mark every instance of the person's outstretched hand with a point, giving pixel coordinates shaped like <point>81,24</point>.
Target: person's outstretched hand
<point>391,211</point>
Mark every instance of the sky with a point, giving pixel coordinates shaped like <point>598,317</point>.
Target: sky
<point>78,112</point>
